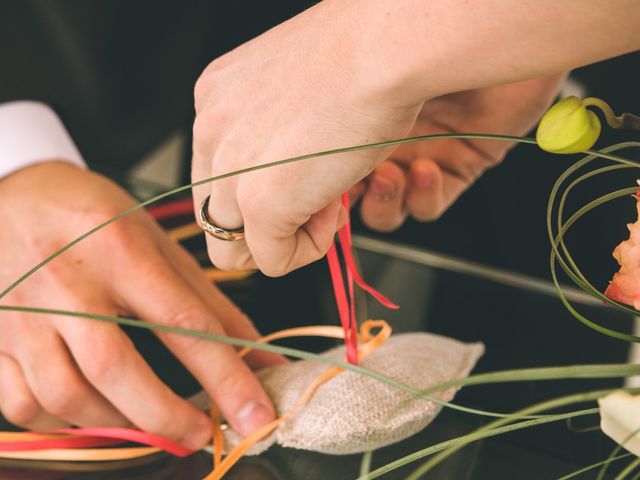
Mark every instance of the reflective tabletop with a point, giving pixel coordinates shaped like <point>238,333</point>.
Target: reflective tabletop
<point>520,320</point>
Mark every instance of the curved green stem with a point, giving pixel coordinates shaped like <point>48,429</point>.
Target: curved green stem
<point>629,469</point>
<point>497,427</point>
<point>365,464</point>
<point>559,250</point>
<point>554,277</point>
<point>472,437</point>
<point>561,206</point>
<point>613,120</point>
<point>505,138</point>
<point>614,453</point>
<point>593,466</point>
<point>547,405</point>
<point>556,241</point>
<point>623,121</point>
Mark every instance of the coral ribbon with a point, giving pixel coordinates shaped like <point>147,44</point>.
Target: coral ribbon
<point>172,209</point>
<point>347,308</point>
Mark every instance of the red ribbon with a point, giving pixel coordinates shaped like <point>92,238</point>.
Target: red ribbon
<point>167,210</point>
<point>347,307</point>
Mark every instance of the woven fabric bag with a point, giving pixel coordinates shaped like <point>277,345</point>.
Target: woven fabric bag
<point>353,413</point>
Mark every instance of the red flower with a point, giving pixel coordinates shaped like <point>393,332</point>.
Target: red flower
<point>625,285</point>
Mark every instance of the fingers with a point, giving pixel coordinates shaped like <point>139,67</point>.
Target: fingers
<point>383,206</point>
<point>109,361</point>
<point>227,255</point>
<point>425,198</point>
<point>51,374</point>
<point>424,192</point>
<point>356,192</point>
<point>234,322</point>
<point>223,212</point>
<point>164,298</point>
<point>17,404</point>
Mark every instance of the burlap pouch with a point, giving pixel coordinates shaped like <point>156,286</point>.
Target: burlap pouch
<point>353,413</point>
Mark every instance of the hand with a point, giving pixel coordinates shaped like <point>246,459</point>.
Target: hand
<point>57,370</point>
<point>423,179</point>
<point>291,91</point>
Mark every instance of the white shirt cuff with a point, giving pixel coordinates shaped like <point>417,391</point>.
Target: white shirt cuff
<point>30,133</point>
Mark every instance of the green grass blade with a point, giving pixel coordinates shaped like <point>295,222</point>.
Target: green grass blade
<point>365,464</point>
<point>543,406</point>
<point>593,466</point>
<point>472,437</point>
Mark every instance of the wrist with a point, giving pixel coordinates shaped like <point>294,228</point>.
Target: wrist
<point>415,50</point>
<point>37,176</point>
<point>383,66</point>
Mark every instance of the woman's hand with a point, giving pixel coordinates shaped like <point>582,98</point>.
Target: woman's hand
<point>348,73</point>
<point>294,90</point>
<point>57,370</point>
<point>423,179</point>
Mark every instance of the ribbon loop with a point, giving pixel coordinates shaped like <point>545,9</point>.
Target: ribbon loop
<point>347,307</point>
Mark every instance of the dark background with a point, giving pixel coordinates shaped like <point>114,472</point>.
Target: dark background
<point>121,75</point>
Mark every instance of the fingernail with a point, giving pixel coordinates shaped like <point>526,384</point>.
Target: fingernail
<point>253,416</point>
<point>383,188</point>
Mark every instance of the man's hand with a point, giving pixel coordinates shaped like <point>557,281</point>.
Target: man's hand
<point>423,179</point>
<point>57,370</point>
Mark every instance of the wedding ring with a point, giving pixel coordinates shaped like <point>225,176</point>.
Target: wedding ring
<point>215,231</point>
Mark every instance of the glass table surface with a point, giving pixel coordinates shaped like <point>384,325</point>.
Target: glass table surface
<point>520,320</point>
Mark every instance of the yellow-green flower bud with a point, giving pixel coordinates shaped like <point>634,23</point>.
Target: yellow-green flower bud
<point>568,127</point>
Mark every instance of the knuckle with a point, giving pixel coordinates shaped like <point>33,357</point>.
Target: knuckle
<point>99,214</point>
<point>207,83</point>
<point>20,409</point>
<point>102,359</point>
<point>201,126</point>
<point>130,241</point>
<point>254,206</point>
<point>119,235</point>
<point>188,318</point>
<point>63,401</point>
<point>207,131</point>
<point>204,86</point>
<point>100,369</point>
<point>229,381</point>
<point>200,91</point>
